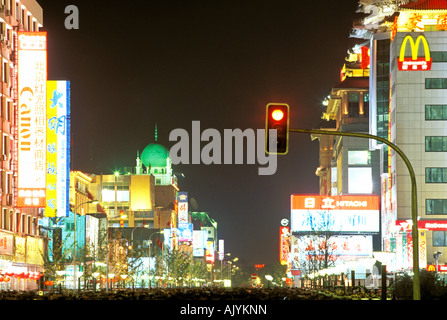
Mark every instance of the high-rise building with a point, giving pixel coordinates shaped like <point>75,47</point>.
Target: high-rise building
<point>408,57</point>
<point>19,233</point>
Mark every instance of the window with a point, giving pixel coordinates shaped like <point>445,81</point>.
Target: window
<point>439,56</point>
<point>435,206</point>
<point>366,104</point>
<point>436,83</point>
<point>360,180</point>
<point>439,239</point>
<point>353,104</point>
<point>435,144</point>
<point>436,112</point>
<point>359,157</point>
<point>435,175</point>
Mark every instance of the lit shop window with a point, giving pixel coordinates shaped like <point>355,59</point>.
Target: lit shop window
<point>360,180</point>
<point>359,157</point>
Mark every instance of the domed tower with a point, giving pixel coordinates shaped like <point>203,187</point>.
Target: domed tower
<point>155,157</point>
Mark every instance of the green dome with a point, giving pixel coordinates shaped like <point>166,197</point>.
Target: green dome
<point>154,155</point>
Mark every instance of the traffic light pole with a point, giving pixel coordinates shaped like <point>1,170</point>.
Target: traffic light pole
<point>414,209</point>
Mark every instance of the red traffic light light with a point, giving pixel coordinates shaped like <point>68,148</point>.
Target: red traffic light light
<point>277,114</point>
<point>277,117</point>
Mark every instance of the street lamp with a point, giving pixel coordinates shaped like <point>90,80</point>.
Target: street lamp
<point>74,240</point>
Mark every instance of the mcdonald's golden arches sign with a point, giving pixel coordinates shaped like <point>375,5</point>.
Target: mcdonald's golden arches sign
<point>414,63</point>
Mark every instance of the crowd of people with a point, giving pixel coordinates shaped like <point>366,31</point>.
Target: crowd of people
<point>206,293</point>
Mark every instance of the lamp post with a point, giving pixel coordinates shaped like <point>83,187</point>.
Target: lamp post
<point>74,241</point>
<point>414,208</point>
<point>149,248</point>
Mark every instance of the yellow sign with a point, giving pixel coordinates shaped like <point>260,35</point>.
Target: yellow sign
<point>414,63</point>
<point>423,249</point>
<point>51,155</point>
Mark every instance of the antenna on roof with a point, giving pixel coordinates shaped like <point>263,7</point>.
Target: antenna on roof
<point>156,133</point>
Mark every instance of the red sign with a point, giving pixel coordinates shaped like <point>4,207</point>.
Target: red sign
<point>433,225</point>
<point>254,276</point>
<point>283,244</point>
<point>441,268</point>
<point>335,202</point>
<point>364,62</point>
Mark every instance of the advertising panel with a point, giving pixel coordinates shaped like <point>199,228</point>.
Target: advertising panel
<point>32,77</point>
<point>337,248</point>
<point>210,254</point>
<point>414,63</point>
<point>6,243</point>
<point>283,244</point>
<point>185,232</point>
<point>350,214</point>
<point>34,250</point>
<point>295,253</point>
<point>183,207</point>
<point>221,249</point>
<point>20,249</point>
<point>199,242</point>
<point>58,149</point>
<point>432,225</point>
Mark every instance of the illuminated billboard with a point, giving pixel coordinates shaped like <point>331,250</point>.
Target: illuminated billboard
<point>58,149</point>
<point>414,63</point>
<point>283,244</point>
<point>185,232</point>
<point>199,242</point>
<point>350,214</point>
<point>336,249</point>
<point>32,77</point>
<point>183,212</point>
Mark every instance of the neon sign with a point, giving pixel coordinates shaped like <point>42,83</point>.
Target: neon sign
<point>32,77</point>
<point>58,149</point>
<point>414,63</point>
<point>350,214</point>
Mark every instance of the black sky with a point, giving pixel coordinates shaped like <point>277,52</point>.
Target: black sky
<point>134,64</point>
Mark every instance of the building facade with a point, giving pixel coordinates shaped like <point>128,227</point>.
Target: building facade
<point>407,41</point>
<point>21,243</point>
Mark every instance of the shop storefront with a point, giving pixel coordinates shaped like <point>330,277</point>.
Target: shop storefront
<point>21,262</point>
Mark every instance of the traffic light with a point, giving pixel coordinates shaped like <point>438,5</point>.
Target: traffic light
<point>277,117</point>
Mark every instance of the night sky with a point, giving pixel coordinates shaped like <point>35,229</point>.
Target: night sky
<point>135,64</point>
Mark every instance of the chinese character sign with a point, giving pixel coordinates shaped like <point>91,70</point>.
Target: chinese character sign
<point>283,244</point>
<point>183,212</point>
<point>311,213</point>
<point>58,149</point>
<point>32,77</point>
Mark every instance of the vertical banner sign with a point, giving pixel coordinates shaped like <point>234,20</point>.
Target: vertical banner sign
<point>58,149</point>
<point>183,207</point>
<point>423,249</point>
<point>283,244</point>
<point>32,77</point>
<point>221,249</point>
<point>409,249</point>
